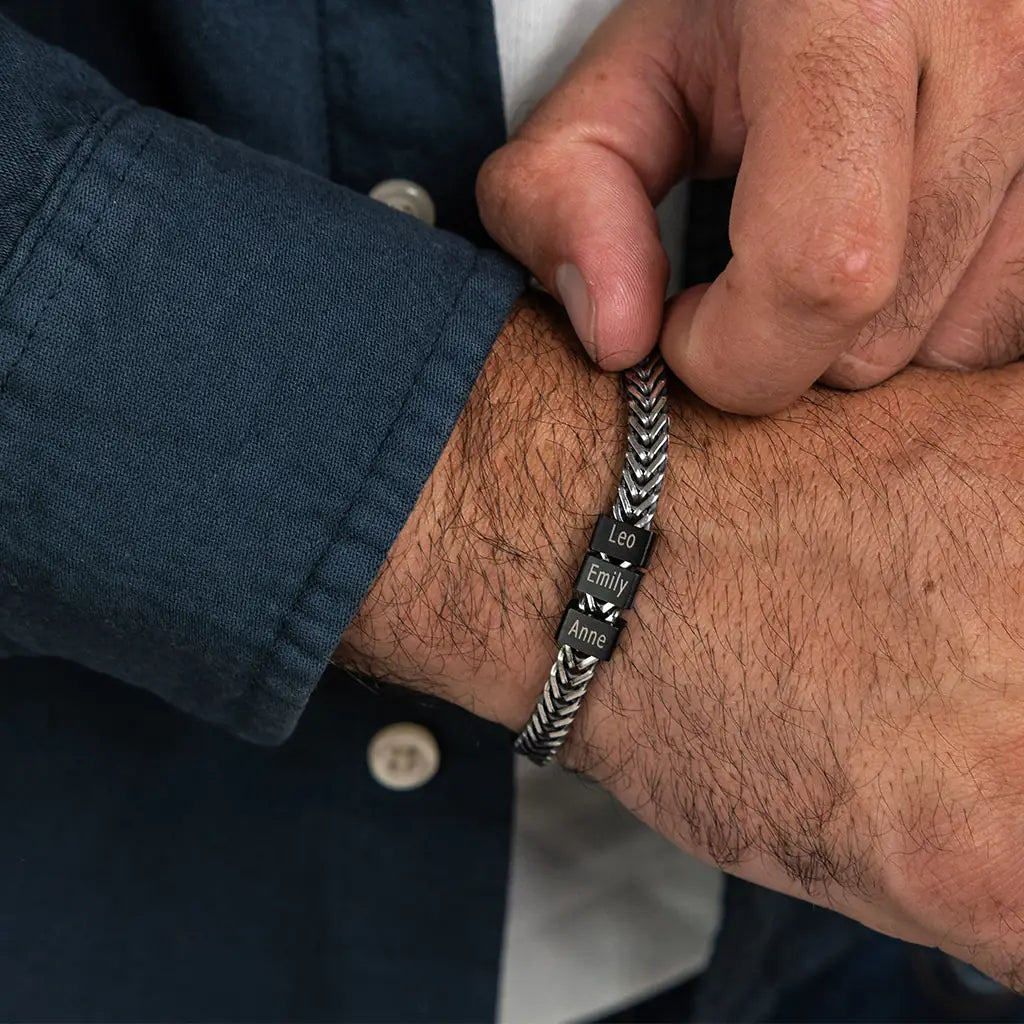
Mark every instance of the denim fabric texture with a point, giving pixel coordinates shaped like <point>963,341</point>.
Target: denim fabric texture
<point>223,383</point>
<point>153,868</point>
<point>224,376</point>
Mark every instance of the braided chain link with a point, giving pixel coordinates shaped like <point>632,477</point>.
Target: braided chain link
<point>643,475</point>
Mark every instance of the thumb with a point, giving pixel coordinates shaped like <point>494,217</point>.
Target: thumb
<point>572,196</point>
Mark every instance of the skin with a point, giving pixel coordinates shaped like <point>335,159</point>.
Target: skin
<point>879,211</point>
<point>821,686</point>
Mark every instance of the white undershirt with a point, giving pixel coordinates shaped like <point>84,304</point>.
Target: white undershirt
<point>601,911</point>
<point>537,39</point>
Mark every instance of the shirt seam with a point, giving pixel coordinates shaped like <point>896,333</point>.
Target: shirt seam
<point>94,134</point>
<point>100,216</point>
<point>321,24</point>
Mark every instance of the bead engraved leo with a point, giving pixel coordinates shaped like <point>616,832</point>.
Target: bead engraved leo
<point>622,541</point>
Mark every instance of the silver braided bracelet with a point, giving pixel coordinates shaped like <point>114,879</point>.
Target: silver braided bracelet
<point>607,582</point>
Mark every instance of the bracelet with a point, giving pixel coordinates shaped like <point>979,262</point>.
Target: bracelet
<point>620,548</point>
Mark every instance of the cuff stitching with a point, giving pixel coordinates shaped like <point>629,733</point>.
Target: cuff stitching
<point>97,220</point>
<point>244,697</point>
<point>93,137</point>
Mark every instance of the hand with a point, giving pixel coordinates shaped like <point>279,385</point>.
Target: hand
<point>821,686</point>
<point>878,215</point>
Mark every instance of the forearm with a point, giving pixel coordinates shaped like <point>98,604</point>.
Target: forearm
<point>765,707</point>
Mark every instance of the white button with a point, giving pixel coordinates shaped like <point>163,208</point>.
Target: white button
<point>406,197</point>
<point>403,756</point>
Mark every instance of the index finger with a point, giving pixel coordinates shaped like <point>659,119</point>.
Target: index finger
<point>819,218</point>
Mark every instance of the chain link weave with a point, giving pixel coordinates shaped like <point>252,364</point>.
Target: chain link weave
<point>639,489</point>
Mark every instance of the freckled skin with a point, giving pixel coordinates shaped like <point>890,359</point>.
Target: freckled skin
<point>876,219</point>
<point>879,11</point>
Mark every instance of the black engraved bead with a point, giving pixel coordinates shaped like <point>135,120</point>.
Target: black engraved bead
<point>586,635</point>
<point>621,541</point>
<point>607,582</point>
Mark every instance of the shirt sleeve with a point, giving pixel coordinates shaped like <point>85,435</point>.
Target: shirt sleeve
<point>223,384</point>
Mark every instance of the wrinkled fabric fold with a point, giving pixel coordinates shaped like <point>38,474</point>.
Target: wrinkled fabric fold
<point>223,384</point>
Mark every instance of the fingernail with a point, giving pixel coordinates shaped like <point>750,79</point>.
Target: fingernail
<point>575,296</point>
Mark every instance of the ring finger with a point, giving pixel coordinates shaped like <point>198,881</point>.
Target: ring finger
<point>982,325</point>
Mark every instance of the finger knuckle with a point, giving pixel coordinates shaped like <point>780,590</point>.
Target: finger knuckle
<point>842,274</point>
<point>854,373</point>
<point>516,181</point>
<point>500,177</point>
<point>844,77</point>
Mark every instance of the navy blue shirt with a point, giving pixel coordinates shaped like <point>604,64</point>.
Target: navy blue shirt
<point>225,375</point>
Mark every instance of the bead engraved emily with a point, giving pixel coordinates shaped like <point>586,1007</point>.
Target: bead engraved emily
<point>607,582</point>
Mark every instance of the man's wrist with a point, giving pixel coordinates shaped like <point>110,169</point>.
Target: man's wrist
<point>468,601</point>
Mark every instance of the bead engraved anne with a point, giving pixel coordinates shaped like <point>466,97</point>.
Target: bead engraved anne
<point>591,636</point>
